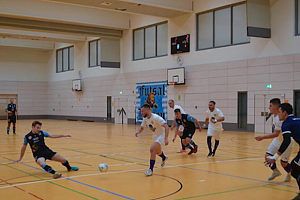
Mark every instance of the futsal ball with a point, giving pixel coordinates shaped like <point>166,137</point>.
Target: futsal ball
<point>103,167</point>
<point>180,129</point>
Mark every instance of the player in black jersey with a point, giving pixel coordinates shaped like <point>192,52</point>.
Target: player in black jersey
<point>290,129</point>
<point>41,152</point>
<point>186,127</point>
<point>11,110</point>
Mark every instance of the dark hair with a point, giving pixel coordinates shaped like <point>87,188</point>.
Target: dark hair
<point>288,108</point>
<point>36,123</point>
<point>171,100</point>
<point>146,106</point>
<point>213,102</point>
<point>275,101</point>
<point>177,110</point>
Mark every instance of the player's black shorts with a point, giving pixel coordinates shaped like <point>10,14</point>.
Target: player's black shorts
<point>12,119</point>
<point>47,154</point>
<point>188,134</point>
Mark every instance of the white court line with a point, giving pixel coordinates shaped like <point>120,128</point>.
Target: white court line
<point>115,165</point>
<point>131,163</point>
<point>132,170</point>
<point>201,180</point>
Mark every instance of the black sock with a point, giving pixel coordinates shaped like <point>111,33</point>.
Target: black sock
<point>273,167</point>
<point>14,129</point>
<point>182,145</point>
<point>193,143</point>
<point>48,169</point>
<point>189,146</point>
<point>67,165</point>
<point>216,145</point>
<point>288,168</point>
<point>209,143</point>
<point>152,162</point>
<point>162,155</point>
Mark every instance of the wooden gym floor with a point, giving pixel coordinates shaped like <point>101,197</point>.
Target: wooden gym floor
<point>236,172</point>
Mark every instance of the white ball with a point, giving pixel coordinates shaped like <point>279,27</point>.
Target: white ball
<point>103,167</point>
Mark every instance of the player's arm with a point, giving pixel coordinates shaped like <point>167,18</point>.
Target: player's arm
<point>173,124</point>
<point>54,136</point>
<point>139,131</point>
<point>166,133</point>
<point>221,119</point>
<point>23,149</point>
<point>206,120</point>
<point>6,110</point>
<point>269,136</point>
<point>197,123</point>
<point>284,145</point>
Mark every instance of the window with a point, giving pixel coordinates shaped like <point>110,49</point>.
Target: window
<point>222,27</point>
<point>150,41</point>
<point>94,53</point>
<point>65,59</point>
<point>297,21</point>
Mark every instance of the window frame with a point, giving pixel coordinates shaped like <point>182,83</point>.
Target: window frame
<point>214,26</point>
<point>144,28</point>
<point>62,59</point>
<point>296,18</point>
<point>97,51</point>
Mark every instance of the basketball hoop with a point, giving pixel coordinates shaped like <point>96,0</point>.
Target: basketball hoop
<point>74,90</point>
<point>173,83</point>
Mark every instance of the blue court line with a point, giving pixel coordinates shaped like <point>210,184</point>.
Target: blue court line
<point>241,177</point>
<point>119,195</point>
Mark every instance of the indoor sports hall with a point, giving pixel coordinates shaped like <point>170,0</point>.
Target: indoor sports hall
<point>85,68</point>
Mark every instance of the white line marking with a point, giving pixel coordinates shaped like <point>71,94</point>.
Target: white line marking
<point>201,180</point>
<point>132,170</point>
<point>115,165</point>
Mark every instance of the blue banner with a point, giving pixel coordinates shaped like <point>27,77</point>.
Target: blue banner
<point>154,94</point>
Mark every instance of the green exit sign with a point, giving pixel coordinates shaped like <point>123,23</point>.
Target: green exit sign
<point>269,86</point>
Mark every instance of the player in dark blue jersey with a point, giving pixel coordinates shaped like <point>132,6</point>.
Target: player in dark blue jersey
<point>41,152</point>
<point>186,128</point>
<point>11,110</point>
<point>290,128</point>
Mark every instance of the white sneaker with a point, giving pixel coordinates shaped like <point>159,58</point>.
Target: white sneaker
<point>288,177</point>
<point>57,175</point>
<point>275,174</point>
<point>164,162</point>
<point>149,172</point>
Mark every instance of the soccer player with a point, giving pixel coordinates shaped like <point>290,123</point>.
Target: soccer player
<point>214,117</point>
<point>290,128</point>
<point>173,106</point>
<point>41,152</point>
<point>160,131</point>
<point>276,142</point>
<point>186,127</point>
<point>11,110</point>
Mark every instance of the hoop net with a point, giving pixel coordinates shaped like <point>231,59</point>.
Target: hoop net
<point>171,87</point>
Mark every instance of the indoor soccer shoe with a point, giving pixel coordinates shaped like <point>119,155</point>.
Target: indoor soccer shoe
<point>195,149</point>
<point>164,161</point>
<point>275,174</point>
<point>192,151</point>
<point>181,151</point>
<point>74,169</point>
<point>209,154</point>
<point>149,172</point>
<point>57,175</point>
<point>288,177</point>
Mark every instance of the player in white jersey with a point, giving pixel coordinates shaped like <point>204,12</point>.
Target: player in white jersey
<point>174,124</point>
<point>160,131</point>
<point>214,117</point>
<point>276,142</point>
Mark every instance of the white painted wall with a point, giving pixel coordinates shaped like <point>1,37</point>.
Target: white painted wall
<point>23,64</point>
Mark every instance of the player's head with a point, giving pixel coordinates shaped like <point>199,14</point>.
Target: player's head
<point>177,113</point>
<point>285,109</point>
<point>274,105</point>
<point>211,105</point>
<point>171,103</point>
<point>11,101</point>
<point>145,110</point>
<point>36,126</point>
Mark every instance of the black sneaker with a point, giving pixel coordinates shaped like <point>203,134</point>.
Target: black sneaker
<point>209,154</point>
<point>213,153</point>
<point>297,197</point>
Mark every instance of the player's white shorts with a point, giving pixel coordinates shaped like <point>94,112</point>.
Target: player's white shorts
<point>214,133</point>
<point>274,146</point>
<point>160,139</point>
